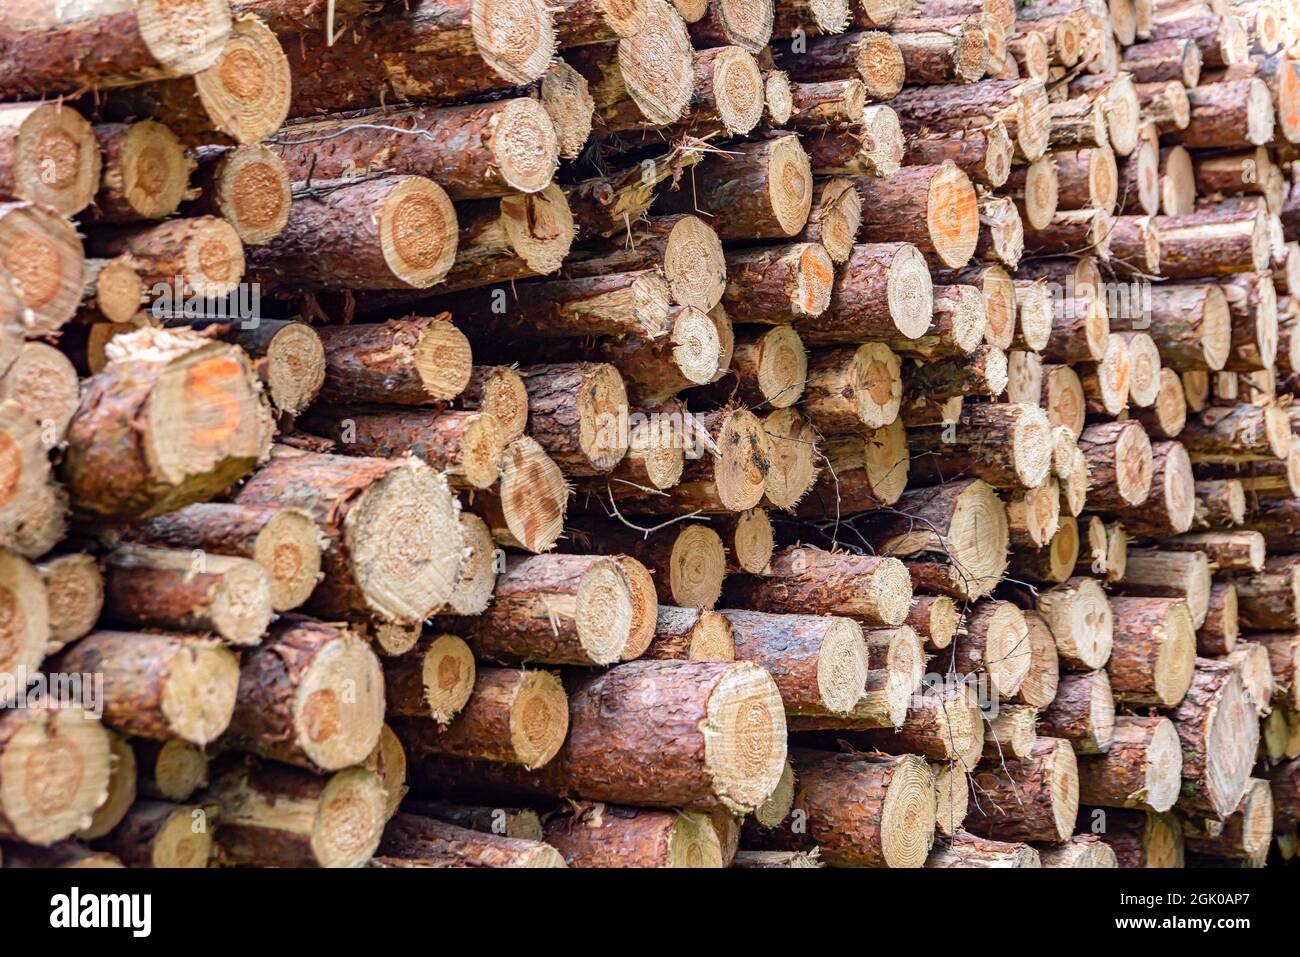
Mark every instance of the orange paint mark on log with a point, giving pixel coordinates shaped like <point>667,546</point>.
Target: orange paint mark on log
<point>816,276</point>
<point>212,382</point>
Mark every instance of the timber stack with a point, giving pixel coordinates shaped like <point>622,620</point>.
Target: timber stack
<point>757,433</point>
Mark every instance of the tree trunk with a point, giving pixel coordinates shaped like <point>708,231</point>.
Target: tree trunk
<point>882,294</point>
<point>1219,731</point>
<point>413,841</point>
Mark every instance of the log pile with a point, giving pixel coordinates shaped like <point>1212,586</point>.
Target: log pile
<point>650,434</point>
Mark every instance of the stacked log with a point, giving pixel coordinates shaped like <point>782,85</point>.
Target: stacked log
<point>649,434</point>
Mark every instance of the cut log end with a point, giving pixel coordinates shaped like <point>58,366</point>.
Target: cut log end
<point>697,565</point>
<point>789,185</point>
<point>294,367</point>
<point>338,707</point>
<point>744,737</point>
<point>246,92</point>
<point>907,816</point>
<point>738,90</point>
<point>952,216</point>
<point>252,191</point>
<point>417,231</point>
<point>54,159</point>
<point>447,677</point>
<point>657,65</point>
<point>517,40</point>
<point>55,770</point>
<point>525,146</point>
<point>349,819</point>
<point>910,292</point>
<point>753,541</point>
<point>534,495</point>
<point>694,265</point>
<point>477,574</point>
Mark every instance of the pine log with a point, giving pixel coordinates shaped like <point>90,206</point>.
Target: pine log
<point>1219,731</point>
<point>276,816</point>
<point>870,56</point>
<point>847,389</point>
<point>684,247</point>
<point>432,680</point>
<point>182,589</point>
<point>1228,434</point>
<point>242,97</point>
<point>846,801</point>
<point>693,635</point>
<point>819,662</point>
<point>1215,242</point>
<point>200,450</point>
<point>640,758</point>
<point>311,695</point>
<point>1083,851</point>
<point>600,835</point>
<point>983,154</point>
<point>528,508</point>
<point>416,841</point>
<point>1008,446</point>
<point>394,233</point>
<point>778,284</point>
<point>995,649</point>
<point>466,446</point>
<point>861,473</point>
<point>759,190</point>
<point>561,609</point>
<point>1021,104</point>
<point>1034,798</point>
<point>1082,713</point>
<point>170,770</point>
<point>968,851</point>
<point>161,834</point>
<point>865,308</point>
<point>474,151</point>
<point>44,255</point>
<point>1139,838</point>
<point>358,503</point>
<point>513,716</point>
<point>106,44</point>
<point>933,207</point>
<point>835,217</point>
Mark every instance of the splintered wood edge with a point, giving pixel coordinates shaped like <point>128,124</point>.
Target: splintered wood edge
<point>539,227</point>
